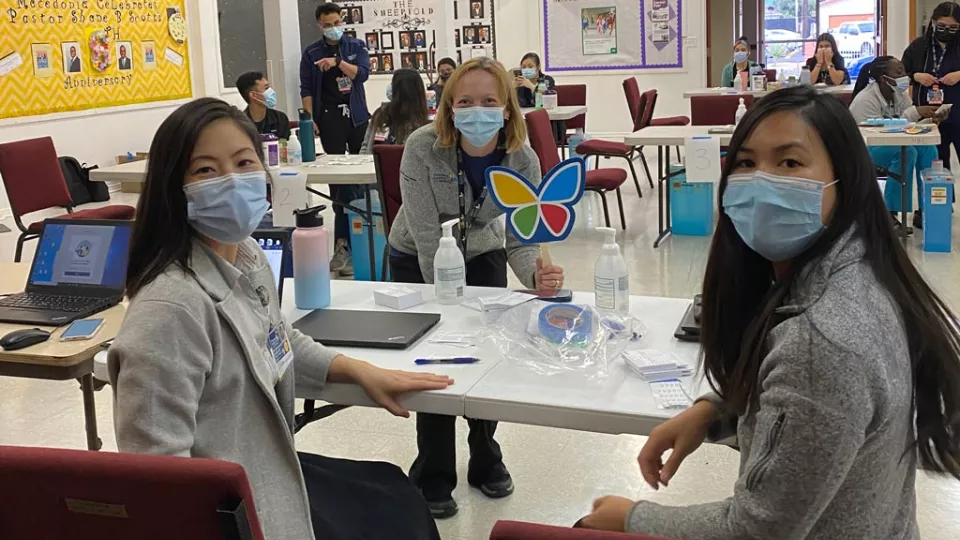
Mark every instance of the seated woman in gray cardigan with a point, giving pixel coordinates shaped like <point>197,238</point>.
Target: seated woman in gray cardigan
<point>205,364</point>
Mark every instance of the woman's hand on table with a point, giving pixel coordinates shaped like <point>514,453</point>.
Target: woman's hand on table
<point>950,79</point>
<point>683,434</point>
<point>384,386</point>
<point>925,79</point>
<point>547,280</point>
<point>609,514</point>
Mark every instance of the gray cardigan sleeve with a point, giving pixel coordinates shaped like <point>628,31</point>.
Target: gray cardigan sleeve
<point>416,189</point>
<point>807,438</point>
<point>157,381</point>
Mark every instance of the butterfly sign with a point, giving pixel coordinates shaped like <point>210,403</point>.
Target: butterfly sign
<point>539,214</point>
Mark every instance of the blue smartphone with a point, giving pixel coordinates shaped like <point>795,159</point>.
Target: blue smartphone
<point>81,330</point>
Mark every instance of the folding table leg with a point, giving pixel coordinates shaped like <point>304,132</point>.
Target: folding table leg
<point>90,412</point>
<point>903,193</point>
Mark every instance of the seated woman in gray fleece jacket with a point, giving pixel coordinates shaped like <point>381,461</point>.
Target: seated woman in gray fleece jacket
<point>478,125</point>
<point>834,363</point>
<point>205,364</point>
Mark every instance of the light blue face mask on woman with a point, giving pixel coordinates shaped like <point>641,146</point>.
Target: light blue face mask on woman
<point>900,84</point>
<point>529,73</point>
<point>740,57</point>
<point>389,91</point>
<point>777,216</point>
<point>478,124</point>
<point>229,208</point>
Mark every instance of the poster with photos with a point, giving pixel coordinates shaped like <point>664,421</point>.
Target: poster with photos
<point>417,33</point>
<point>613,34</point>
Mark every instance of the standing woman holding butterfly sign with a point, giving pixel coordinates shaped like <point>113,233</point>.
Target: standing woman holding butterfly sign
<point>478,125</point>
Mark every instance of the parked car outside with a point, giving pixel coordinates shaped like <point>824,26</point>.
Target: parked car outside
<point>856,39</point>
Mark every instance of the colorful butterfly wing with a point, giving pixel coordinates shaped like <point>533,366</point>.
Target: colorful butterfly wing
<point>564,183</point>
<point>556,217</point>
<point>509,189</point>
<point>561,189</point>
<point>517,198</point>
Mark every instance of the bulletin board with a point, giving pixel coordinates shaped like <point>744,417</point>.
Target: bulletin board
<point>69,55</point>
<point>414,34</point>
<point>592,35</point>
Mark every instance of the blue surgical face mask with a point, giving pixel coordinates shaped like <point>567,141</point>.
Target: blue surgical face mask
<point>777,216</point>
<point>334,33</point>
<point>478,124</point>
<point>529,72</point>
<point>389,91</point>
<point>740,56</point>
<point>900,84</point>
<point>229,208</point>
<point>270,98</point>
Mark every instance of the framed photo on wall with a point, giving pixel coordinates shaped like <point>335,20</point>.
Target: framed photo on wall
<point>386,41</point>
<point>386,62</point>
<point>373,41</point>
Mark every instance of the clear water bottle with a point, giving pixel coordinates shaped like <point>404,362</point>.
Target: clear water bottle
<point>541,88</point>
<point>805,75</point>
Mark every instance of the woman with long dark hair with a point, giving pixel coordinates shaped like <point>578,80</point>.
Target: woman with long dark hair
<point>404,112</point>
<point>833,361</point>
<point>881,92</point>
<point>933,59</point>
<point>531,76</point>
<point>826,65</point>
<point>205,364</point>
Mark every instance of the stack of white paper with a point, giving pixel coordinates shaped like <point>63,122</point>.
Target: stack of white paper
<point>654,365</point>
<point>491,307</point>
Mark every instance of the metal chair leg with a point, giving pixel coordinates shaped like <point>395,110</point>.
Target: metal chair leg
<point>606,210</point>
<point>623,219</point>
<point>19,251</point>
<point>636,180</point>
<point>646,168</point>
<point>596,163</point>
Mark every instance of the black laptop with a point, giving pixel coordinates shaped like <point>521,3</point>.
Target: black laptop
<point>79,268</point>
<point>368,329</point>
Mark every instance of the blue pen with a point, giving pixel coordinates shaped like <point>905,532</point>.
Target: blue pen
<point>452,360</point>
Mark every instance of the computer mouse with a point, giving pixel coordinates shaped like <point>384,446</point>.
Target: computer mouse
<point>18,339</point>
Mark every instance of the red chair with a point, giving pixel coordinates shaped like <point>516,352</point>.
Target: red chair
<point>599,180</point>
<point>717,110</point>
<point>34,181</point>
<point>569,95</point>
<point>516,530</point>
<point>386,160</point>
<point>597,148</point>
<point>56,493</point>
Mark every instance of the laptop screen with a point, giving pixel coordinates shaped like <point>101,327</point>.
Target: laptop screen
<point>82,255</point>
<point>273,248</point>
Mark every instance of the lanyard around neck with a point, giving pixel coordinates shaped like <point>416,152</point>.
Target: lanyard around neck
<point>466,220</point>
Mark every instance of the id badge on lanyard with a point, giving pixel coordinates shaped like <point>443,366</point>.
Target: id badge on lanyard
<point>466,220</point>
<point>935,94</point>
<point>279,347</point>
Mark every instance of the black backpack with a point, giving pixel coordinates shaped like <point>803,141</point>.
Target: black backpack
<point>82,190</point>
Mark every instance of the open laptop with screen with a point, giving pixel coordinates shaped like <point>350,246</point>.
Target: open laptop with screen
<point>275,244</point>
<point>79,268</point>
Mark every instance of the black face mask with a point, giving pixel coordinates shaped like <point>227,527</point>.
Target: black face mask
<point>944,36</point>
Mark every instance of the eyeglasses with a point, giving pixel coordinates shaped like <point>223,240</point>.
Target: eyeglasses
<point>950,28</point>
<point>338,24</point>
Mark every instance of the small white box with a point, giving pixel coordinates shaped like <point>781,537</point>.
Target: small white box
<point>398,297</point>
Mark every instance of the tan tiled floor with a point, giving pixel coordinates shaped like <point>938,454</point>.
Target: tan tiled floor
<point>557,472</point>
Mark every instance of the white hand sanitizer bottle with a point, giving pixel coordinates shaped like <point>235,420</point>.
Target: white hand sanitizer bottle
<point>611,281</point>
<point>741,111</point>
<point>449,269</point>
<point>294,151</point>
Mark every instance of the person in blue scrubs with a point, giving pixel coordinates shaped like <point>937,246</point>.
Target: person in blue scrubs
<point>880,92</point>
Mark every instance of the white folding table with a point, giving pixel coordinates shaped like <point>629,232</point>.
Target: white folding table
<point>500,389</point>
<point>665,137</point>
<point>721,91</point>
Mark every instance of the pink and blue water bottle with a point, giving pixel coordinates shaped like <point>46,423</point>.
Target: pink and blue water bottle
<point>311,260</point>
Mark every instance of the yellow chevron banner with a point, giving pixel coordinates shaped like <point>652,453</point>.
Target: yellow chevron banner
<point>68,55</point>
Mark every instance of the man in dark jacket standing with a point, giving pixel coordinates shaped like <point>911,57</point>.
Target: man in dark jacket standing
<point>332,73</point>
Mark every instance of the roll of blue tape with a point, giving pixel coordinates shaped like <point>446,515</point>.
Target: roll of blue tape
<point>564,323</point>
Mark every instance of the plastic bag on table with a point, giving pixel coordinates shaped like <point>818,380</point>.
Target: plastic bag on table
<point>551,338</point>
